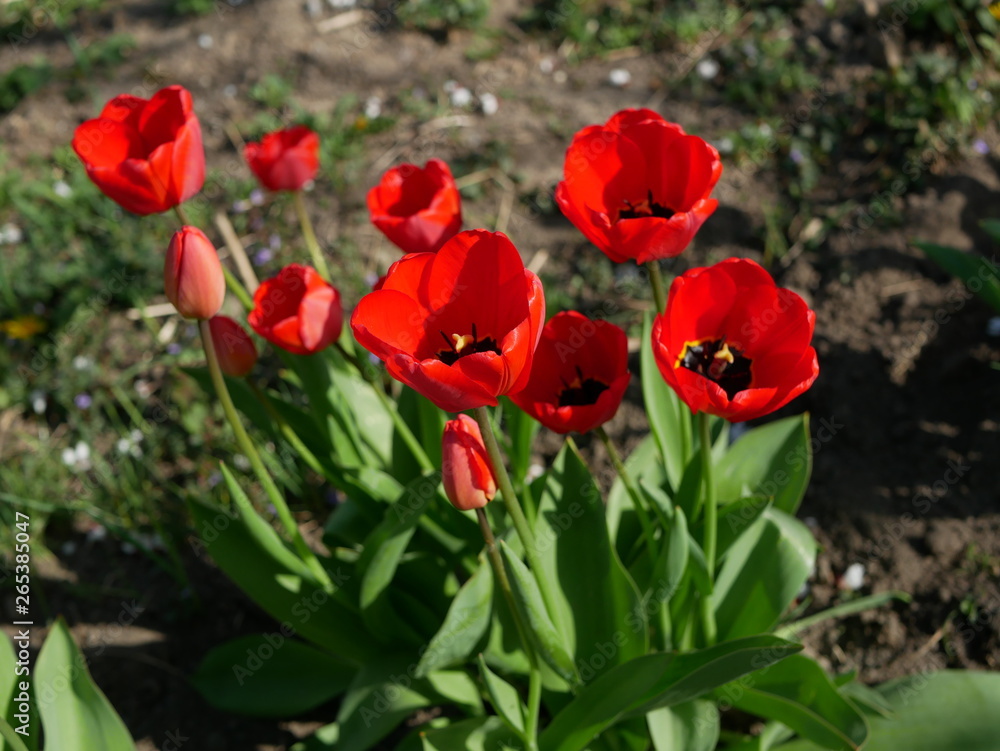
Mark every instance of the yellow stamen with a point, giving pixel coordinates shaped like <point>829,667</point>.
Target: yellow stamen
<point>461,341</point>
<point>725,354</point>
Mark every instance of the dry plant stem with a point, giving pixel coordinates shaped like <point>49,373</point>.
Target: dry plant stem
<point>711,524</point>
<point>513,507</point>
<point>247,447</point>
<point>237,251</point>
<point>535,675</point>
<point>656,281</point>
<point>310,237</point>
<point>397,420</point>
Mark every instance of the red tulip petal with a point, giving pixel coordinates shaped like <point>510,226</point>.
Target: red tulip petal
<point>320,317</point>
<point>626,119</point>
<point>447,387</point>
<point>388,322</point>
<point>164,115</point>
<point>125,108</point>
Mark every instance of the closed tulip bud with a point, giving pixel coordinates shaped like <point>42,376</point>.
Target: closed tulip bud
<point>192,275</point>
<point>465,467</point>
<point>234,348</point>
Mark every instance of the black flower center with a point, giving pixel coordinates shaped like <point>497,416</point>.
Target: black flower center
<point>718,362</point>
<point>645,208</point>
<point>582,391</point>
<point>460,345</point>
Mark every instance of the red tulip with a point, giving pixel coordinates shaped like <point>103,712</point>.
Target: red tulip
<point>579,374</point>
<point>233,346</point>
<point>638,186</point>
<point>144,154</point>
<point>417,209</point>
<point>192,275</point>
<point>460,326</point>
<point>466,471</point>
<point>732,343</point>
<point>297,310</point>
<point>286,159</point>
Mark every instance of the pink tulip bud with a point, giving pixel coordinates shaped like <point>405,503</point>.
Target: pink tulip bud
<point>233,346</point>
<point>192,275</point>
<point>465,465</point>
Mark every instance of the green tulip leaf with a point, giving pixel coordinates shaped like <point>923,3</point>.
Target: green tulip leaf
<point>551,645</point>
<point>504,698</point>
<point>75,713</point>
<point>773,461</point>
<point>692,726</point>
<point>270,675</point>
<point>250,552</point>
<point>668,416</point>
<point>970,268</point>
<point>599,612</point>
<point>653,681</point>
<point>464,626</point>
<point>763,572</point>
<point>798,693</point>
<point>477,734</point>
<point>951,710</point>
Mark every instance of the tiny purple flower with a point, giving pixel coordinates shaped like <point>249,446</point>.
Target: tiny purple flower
<point>981,147</point>
<point>274,241</point>
<point>173,348</point>
<point>796,156</point>
<point>256,197</point>
<point>83,400</point>
<point>262,256</point>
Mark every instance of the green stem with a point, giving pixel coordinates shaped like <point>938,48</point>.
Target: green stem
<point>535,675</point>
<point>656,280</point>
<point>513,507</point>
<point>711,524</point>
<point>238,289</point>
<point>310,237</point>
<point>633,491</point>
<point>181,215</point>
<point>250,451</point>
<point>404,430</point>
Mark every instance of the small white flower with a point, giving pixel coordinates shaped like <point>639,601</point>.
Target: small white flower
<point>764,129</point>
<point>241,462</point>
<point>96,534</point>
<point>82,362</point>
<point>853,578</point>
<point>143,388</point>
<point>534,472</point>
<point>461,97</point>
<point>124,445</point>
<point>38,401</point>
<point>62,189</point>
<point>373,107</point>
<point>489,103</point>
<point>450,85</point>
<point>10,234</point>
<point>69,457</point>
<point>546,65</point>
<point>205,41</point>
<point>993,326</point>
<point>725,145</point>
<point>707,68</point>
<point>619,77</point>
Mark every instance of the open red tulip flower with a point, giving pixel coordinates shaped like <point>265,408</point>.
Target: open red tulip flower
<point>144,154</point>
<point>286,159</point>
<point>460,326</point>
<point>579,374</point>
<point>466,472</point>
<point>638,187</point>
<point>418,209</point>
<point>297,310</point>
<point>732,343</point>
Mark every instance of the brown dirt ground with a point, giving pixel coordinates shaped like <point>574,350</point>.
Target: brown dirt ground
<point>911,399</point>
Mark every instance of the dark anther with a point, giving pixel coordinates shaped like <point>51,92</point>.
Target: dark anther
<point>720,363</point>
